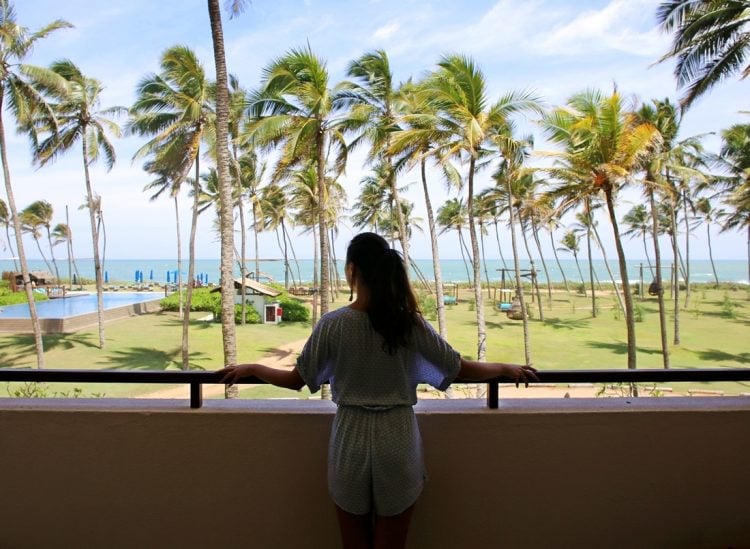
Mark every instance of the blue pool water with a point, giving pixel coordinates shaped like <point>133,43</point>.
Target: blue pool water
<point>77,305</point>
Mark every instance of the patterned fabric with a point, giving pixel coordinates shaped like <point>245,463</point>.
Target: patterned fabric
<point>375,451</point>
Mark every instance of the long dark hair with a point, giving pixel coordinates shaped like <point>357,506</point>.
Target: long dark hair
<point>392,307</point>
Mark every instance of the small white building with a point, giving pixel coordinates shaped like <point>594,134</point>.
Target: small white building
<point>260,297</point>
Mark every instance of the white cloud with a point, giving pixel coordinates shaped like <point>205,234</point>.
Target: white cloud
<point>386,31</point>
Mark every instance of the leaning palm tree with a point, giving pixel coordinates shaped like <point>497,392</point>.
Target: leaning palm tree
<point>710,215</point>
<point>571,243</point>
<point>467,121</point>
<point>604,144</point>
<point>16,77</point>
<point>173,108</point>
<point>33,218</point>
<point>64,235</point>
<point>638,222</point>
<point>6,221</point>
<point>711,42</point>
<point>296,109</point>
<point>80,120</point>
<point>41,212</point>
<point>451,216</point>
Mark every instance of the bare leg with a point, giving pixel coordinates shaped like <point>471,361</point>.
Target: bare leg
<point>356,530</point>
<point>390,532</point>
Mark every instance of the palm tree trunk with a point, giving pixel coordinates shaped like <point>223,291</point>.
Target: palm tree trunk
<point>294,258</point>
<point>38,341</point>
<point>462,246</point>
<point>580,273</point>
<point>243,236</point>
<point>287,268</point>
<point>179,257</point>
<point>255,236</point>
<point>41,252</point>
<point>590,222</point>
<point>484,261</point>
<point>225,193</point>
<point>609,270</point>
<point>659,278</point>
<point>481,328</point>
<point>52,253</point>
<point>322,225</point>
<point>557,259</point>
<point>316,265</point>
<point>499,248</point>
<point>629,316</point>
<point>711,253</point>
<point>10,247</point>
<point>436,269</point>
<point>519,285</point>
<point>534,284</point>
<point>645,249</point>
<point>687,248</point>
<point>676,281</point>
<point>535,234</point>
<point>95,241</point>
<point>191,267</point>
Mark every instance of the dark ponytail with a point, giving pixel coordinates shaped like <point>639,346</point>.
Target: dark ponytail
<point>392,306</point>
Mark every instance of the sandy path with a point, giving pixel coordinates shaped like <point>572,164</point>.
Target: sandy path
<point>281,357</point>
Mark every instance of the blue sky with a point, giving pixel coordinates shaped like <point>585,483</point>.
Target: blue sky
<point>553,47</point>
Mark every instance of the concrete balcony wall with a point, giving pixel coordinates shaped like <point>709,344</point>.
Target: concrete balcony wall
<point>669,472</point>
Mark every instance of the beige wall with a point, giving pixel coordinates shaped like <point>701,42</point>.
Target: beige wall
<point>562,473</point>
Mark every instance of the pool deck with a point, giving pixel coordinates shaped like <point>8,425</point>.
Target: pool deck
<point>74,323</point>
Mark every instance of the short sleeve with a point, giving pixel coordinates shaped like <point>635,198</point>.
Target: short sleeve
<point>315,361</point>
<point>437,363</point>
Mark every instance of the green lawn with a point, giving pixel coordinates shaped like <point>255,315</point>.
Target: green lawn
<point>569,338</point>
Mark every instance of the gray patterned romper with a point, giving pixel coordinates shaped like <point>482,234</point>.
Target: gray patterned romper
<point>375,450</point>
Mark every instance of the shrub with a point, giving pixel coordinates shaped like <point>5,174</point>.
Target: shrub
<point>428,305</point>
<point>294,309</point>
<point>202,300</point>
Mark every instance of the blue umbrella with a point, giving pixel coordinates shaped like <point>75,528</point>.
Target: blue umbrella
<point>151,275</point>
<point>167,276</point>
<point>106,277</point>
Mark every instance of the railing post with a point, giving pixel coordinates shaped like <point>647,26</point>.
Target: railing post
<point>196,395</point>
<point>492,395</point>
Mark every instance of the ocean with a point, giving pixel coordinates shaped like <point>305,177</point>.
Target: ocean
<point>126,271</point>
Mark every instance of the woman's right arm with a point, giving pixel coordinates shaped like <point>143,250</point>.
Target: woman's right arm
<point>473,370</point>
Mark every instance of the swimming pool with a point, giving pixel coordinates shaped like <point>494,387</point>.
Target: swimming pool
<point>74,312</point>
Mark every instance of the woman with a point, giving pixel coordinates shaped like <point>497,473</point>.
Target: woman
<point>374,353</point>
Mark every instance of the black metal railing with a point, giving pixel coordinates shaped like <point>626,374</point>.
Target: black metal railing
<point>196,380</point>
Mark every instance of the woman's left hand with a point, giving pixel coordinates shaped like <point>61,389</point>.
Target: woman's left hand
<point>521,373</point>
<point>232,373</point>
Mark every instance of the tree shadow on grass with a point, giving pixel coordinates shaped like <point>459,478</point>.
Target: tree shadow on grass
<point>715,355</point>
<point>25,347</point>
<point>620,348</point>
<point>567,324</point>
<point>144,358</point>
<point>276,353</point>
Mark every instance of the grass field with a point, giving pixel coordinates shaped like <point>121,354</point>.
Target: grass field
<point>715,329</point>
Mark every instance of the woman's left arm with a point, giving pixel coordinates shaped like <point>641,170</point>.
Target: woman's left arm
<point>288,379</point>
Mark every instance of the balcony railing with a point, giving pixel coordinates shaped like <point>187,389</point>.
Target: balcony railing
<point>196,380</point>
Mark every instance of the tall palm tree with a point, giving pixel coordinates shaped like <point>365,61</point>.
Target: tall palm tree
<point>173,108</point>
<point>372,205</point>
<point>35,215</point>
<point>373,116</point>
<point>226,217</point>
<point>23,99</point>
<point>81,121</point>
<point>297,110</point>
<point>416,142</point>
<point>604,144</point>
<point>711,42</point>
<point>275,214</point>
<point>468,121</point>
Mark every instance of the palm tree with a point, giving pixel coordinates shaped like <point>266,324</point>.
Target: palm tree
<point>416,143</point>
<point>372,205</point>
<point>80,120</point>
<point>16,78</point>
<point>6,221</point>
<point>571,243</point>
<point>710,215</point>
<point>373,116</point>
<point>63,235</point>
<point>275,214</point>
<point>711,42</point>
<point>172,108</point>
<point>604,145</point>
<point>451,216</point>
<point>296,109</point>
<point>458,90</point>
<point>638,221</point>
<point>226,217</point>
<point>35,215</point>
